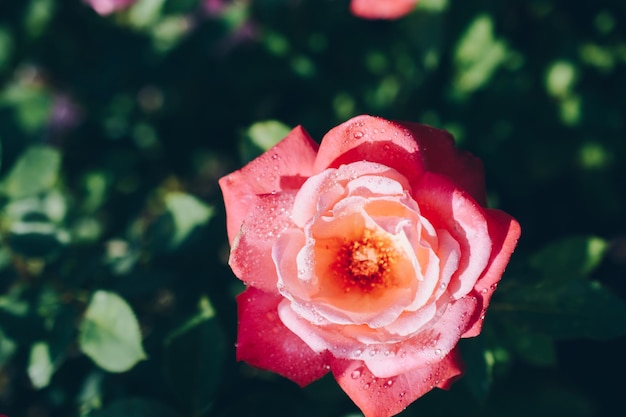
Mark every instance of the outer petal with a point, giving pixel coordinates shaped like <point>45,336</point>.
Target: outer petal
<point>441,156</point>
<point>284,167</point>
<point>368,138</point>
<point>384,397</point>
<point>382,9</point>
<point>251,252</point>
<point>505,232</point>
<point>448,207</point>
<point>264,341</point>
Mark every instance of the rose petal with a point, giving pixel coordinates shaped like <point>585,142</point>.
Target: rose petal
<point>384,397</point>
<point>264,341</point>
<point>284,167</point>
<point>429,346</point>
<point>251,252</point>
<point>505,232</point>
<point>442,157</point>
<point>368,138</point>
<point>381,9</point>
<point>448,207</point>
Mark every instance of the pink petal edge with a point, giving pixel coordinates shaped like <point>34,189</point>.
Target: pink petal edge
<point>505,231</point>
<point>385,397</point>
<point>283,167</point>
<point>373,139</point>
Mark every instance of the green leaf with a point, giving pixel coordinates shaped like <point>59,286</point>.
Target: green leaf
<point>109,333</point>
<point>260,137</point>
<point>35,171</point>
<point>193,359</point>
<point>563,309</point>
<point>477,55</point>
<point>7,348</point>
<point>536,349</point>
<point>136,407</point>
<point>188,213</point>
<point>40,366</point>
<point>574,257</point>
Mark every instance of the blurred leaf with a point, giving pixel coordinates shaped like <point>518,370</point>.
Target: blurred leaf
<point>194,357</point>
<point>563,309</point>
<point>535,349</point>
<point>188,213</point>
<point>63,333</point>
<point>569,258</point>
<point>260,137</point>
<point>145,12</point>
<point>35,171</point>
<point>40,366</point>
<point>479,363</point>
<point>477,55</point>
<point>136,407</point>
<point>36,239</point>
<point>38,15</point>
<point>31,103</point>
<point>7,348</point>
<point>109,333</point>
<point>6,46</point>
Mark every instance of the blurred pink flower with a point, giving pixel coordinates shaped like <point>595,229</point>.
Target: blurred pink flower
<point>104,7</point>
<point>382,9</point>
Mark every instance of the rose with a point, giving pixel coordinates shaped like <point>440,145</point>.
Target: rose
<point>104,7</point>
<point>369,257</point>
<point>382,9</point>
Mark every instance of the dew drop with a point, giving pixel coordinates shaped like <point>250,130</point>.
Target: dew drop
<point>366,386</point>
<point>373,352</point>
<point>356,373</point>
<point>402,394</point>
<point>388,383</point>
<point>386,147</point>
<point>437,352</point>
<point>358,353</point>
<point>358,134</point>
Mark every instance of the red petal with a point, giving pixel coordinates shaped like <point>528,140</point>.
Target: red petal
<point>441,156</point>
<point>382,9</point>
<point>505,232</point>
<point>284,167</point>
<point>384,397</point>
<point>264,341</point>
<point>367,138</point>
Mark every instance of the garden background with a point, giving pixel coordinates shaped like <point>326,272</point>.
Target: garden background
<point>114,130</point>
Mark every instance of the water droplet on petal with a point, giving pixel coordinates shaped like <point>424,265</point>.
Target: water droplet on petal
<point>388,383</point>
<point>356,373</point>
<point>358,353</point>
<point>366,386</point>
<point>437,352</point>
<point>358,134</point>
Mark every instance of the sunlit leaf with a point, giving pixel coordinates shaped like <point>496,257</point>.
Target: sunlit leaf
<point>477,55</point>
<point>260,137</point>
<point>40,366</point>
<point>188,213</point>
<point>569,258</point>
<point>109,333</point>
<point>35,171</point>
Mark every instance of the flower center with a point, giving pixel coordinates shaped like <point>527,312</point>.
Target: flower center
<point>366,263</point>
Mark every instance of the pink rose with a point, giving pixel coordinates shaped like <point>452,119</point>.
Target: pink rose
<point>369,257</point>
<point>104,7</point>
<point>382,9</point>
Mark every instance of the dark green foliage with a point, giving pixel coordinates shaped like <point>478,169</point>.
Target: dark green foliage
<point>115,294</point>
